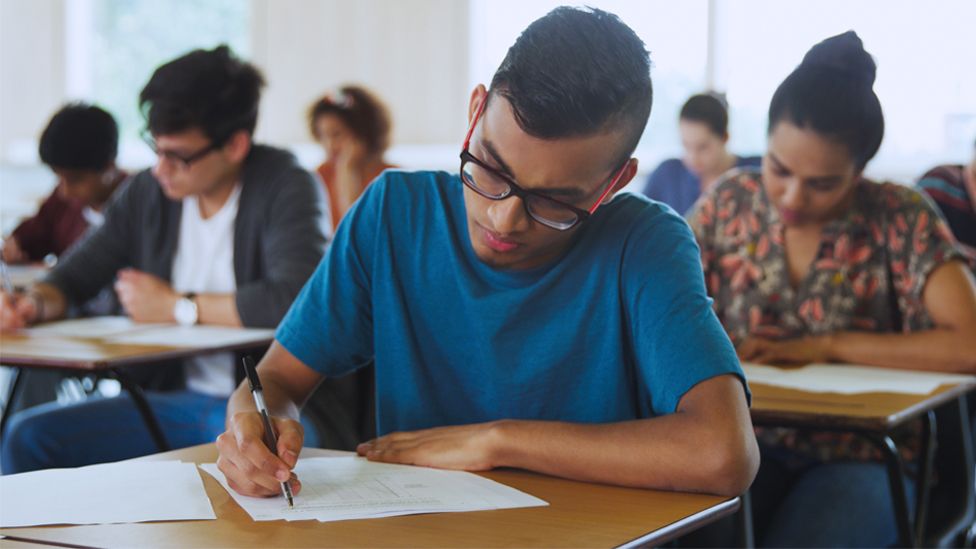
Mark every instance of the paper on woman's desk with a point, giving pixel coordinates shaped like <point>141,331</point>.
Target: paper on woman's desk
<point>104,494</point>
<point>344,488</point>
<point>850,379</point>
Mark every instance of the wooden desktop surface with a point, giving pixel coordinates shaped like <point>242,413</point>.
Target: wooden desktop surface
<point>866,412</point>
<point>579,515</point>
<point>46,351</point>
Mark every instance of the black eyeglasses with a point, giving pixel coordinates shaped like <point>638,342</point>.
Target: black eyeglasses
<point>495,185</point>
<point>183,161</point>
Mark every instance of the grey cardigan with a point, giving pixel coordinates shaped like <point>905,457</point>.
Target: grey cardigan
<point>279,237</point>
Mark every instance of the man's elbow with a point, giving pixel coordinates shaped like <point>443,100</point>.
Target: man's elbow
<point>732,466</point>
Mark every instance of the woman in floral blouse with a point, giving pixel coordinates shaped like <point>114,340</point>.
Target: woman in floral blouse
<point>809,262</point>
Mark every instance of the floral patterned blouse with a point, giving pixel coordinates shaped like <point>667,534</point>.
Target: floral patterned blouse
<point>868,274</point>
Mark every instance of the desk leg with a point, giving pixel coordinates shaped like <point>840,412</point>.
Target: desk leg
<point>747,538</point>
<point>929,431</point>
<point>139,398</point>
<point>906,534</point>
<point>11,398</point>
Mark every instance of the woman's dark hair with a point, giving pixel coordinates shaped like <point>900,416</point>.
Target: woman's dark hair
<point>576,72</point>
<point>80,137</point>
<point>212,90</point>
<point>831,92</point>
<point>709,109</point>
<point>361,111</point>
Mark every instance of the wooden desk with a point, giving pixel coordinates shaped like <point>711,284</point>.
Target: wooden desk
<point>875,416</point>
<point>94,354</point>
<point>97,355</point>
<point>872,412</point>
<point>579,515</point>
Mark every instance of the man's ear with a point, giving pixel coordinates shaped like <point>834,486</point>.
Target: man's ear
<point>629,173</point>
<point>478,94</point>
<point>238,146</point>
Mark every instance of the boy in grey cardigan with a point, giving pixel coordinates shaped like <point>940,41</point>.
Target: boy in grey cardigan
<point>220,231</point>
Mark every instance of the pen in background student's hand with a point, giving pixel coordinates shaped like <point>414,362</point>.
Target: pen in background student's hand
<point>270,437</point>
<point>8,287</point>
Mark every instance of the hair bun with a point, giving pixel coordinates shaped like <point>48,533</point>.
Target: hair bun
<point>843,54</point>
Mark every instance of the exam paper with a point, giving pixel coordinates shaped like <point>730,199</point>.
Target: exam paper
<point>344,488</point>
<point>850,379</point>
<point>192,336</point>
<point>105,494</point>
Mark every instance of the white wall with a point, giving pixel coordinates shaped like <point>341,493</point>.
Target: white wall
<point>413,53</point>
<point>32,71</point>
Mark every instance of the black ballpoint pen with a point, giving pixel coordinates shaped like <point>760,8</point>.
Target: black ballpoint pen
<point>270,437</point>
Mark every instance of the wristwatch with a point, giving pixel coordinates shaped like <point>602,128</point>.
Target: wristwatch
<point>185,310</point>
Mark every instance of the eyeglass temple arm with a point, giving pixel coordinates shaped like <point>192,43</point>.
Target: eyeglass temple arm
<point>474,122</point>
<point>611,187</point>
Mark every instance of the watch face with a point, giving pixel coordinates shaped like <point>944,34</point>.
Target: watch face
<point>185,312</point>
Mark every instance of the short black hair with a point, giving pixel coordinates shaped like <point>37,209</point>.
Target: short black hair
<point>212,90</point>
<point>709,109</point>
<point>576,72</point>
<point>831,92</point>
<point>80,136</point>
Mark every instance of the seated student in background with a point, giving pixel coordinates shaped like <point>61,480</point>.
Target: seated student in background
<point>808,261</point>
<point>79,145</point>
<point>354,129</point>
<point>520,314</point>
<point>704,128</point>
<point>220,231</point>
<point>953,188</point>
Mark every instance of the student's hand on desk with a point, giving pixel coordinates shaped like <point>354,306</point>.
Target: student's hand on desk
<point>805,350</point>
<point>17,311</point>
<point>145,297</point>
<point>251,469</point>
<point>465,447</point>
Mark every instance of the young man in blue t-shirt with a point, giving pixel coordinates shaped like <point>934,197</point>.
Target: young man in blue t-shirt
<point>519,314</point>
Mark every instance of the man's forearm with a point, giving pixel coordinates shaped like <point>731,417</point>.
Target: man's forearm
<point>671,452</point>
<point>218,309</point>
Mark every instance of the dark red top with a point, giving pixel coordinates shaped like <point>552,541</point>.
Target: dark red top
<point>53,229</point>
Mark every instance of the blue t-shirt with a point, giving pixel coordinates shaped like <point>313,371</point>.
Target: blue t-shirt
<point>675,185</point>
<point>618,328</point>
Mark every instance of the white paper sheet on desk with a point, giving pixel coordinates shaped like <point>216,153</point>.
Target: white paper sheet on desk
<point>345,488</point>
<point>22,276</point>
<point>94,327</point>
<point>850,379</point>
<point>105,494</point>
<point>192,336</point>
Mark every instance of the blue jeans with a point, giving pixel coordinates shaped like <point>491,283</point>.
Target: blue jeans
<point>110,429</point>
<point>835,504</point>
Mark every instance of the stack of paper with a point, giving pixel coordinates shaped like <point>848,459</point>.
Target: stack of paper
<point>850,379</point>
<point>344,488</point>
<point>128,491</point>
